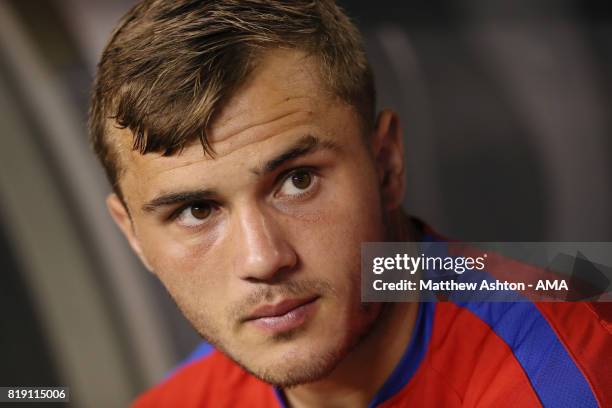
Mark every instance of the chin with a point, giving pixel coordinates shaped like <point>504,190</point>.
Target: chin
<point>292,362</point>
<point>300,365</point>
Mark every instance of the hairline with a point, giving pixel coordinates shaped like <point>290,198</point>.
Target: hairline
<point>325,89</point>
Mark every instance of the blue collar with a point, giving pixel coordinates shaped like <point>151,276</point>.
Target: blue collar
<point>409,362</point>
<point>412,358</point>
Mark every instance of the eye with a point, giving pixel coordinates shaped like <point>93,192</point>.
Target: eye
<point>298,182</point>
<point>195,214</point>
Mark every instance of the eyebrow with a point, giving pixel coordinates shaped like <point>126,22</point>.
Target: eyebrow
<point>307,144</point>
<point>177,198</point>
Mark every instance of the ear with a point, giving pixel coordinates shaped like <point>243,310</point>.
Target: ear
<point>387,146</point>
<point>122,218</point>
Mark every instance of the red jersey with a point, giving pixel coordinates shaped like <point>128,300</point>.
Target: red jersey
<point>471,354</point>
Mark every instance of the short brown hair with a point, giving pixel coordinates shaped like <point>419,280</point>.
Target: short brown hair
<point>170,65</point>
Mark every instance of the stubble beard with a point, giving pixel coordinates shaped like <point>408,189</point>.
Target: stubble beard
<point>304,367</point>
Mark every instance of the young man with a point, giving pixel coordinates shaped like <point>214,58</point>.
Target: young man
<point>248,167</point>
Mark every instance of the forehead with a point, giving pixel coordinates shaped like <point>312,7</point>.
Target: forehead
<point>284,81</point>
<point>282,99</point>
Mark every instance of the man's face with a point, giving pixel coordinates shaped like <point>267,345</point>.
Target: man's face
<point>260,246</point>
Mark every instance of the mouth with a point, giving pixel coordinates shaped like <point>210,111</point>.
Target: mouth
<point>283,316</point>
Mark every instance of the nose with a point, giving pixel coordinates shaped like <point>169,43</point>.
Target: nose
<point>262,251</point>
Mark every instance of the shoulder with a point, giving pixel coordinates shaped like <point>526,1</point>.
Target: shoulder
<point>213,380</point>
<point>585,330</point>
<point>557,350</point>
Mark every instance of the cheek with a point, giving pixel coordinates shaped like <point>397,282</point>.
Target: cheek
<point>172,251</point>
<point>190,269</point>
<point>357,206</point>
<point>350,215</point>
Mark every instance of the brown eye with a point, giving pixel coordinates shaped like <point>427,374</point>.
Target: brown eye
<point>301,180</point>
<point>298,184</point>
<point>200,211</point>
<point>196,214</point>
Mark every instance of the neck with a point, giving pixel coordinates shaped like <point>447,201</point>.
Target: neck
<point>349,384</point>
<point>403,228</point>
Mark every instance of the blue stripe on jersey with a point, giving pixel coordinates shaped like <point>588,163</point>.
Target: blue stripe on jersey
<point>553,374</point>
<point>201,351</point>
<point>280,397</point>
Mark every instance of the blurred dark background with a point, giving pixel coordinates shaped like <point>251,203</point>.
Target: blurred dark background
<point>506,108</point>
